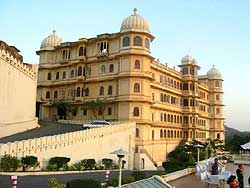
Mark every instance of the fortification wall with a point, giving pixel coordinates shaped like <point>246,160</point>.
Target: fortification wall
<point>93,143</point>
<point>17,93</point>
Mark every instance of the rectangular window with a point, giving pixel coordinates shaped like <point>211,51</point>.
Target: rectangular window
<point>109,111</point>
<point>85,112</point>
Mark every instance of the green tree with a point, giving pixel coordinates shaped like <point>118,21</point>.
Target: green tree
<point>9,163</point>
<point>85,183</point>
<point>29,161</point>
<point>59,162</point>
<point>96,106</point>
<point>53,183</point>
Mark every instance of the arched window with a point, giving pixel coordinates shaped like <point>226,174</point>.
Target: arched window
<point>55,94</point>
<point>126,41</point>
<point>161,133</point>
<point>218,136</point>
<point>174,134</point>
<point>103,69</point>
<point>137,133</point>
<point>57,75</point>
<point>64,75</point>
<point>168,133</point>
<point>110,90</point>
<point>165,133</point>
<point>217,111</point>
<point>147,44</point>
<point>101,92</point>
<point>81,51</point>
<point>49,76</point>
<point>185,102</point>
<point>171,134</point>
<point>217,84</point>
<point>169,118</point>
<point>137,88</point>
<point>87,92</point>
<point>153,134</point>
<point>137,41</point>
<point>185,86</point>
<point>137,64</point>
<point>136,112</point>
<point>47,95</point>
<point>111,68</point>
<point>79,71</point>
<point>165,117</point>
<point>72,73</point>
<point>78,92</point>
<point>178,134</point>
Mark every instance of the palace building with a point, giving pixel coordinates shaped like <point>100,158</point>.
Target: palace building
<point>167,105</point>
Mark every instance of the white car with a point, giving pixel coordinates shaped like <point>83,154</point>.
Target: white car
<point>96,124</point>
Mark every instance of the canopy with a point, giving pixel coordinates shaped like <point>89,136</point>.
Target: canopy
<point>246,146</point>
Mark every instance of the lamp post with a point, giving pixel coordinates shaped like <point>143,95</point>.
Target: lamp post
<point>120,154</point>
<point>198,146</point>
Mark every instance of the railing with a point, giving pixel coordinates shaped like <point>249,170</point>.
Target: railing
<point>80,122</point>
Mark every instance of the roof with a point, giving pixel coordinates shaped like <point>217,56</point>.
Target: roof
<point>246,146</point>
<point>153,182</point>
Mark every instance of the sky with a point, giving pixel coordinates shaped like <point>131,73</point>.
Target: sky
<point>214,32</point>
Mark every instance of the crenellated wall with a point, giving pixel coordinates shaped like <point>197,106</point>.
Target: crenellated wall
<point>93,143</point>
<point>17,92</point>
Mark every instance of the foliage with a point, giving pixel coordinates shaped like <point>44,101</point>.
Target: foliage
<point>55,184</point>
<point>108,163</point>
<point>9,163</point>
<point>125,180</point>
<point>85,183</point>
<point>138,175</point>
<point>233,143</point>
<point>60,162</point>
<point>51,167</point>
<point>95,106</point>
<point>29,161</point>
<point>89,164</point>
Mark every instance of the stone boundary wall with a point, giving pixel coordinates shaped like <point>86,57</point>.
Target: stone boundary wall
<point>92,143</point>
<point>9,58</point>
<point>80,122</point>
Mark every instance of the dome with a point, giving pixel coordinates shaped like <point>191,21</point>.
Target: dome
<point>135,22</point>
<point>51,41</point>
<point>187,60</point>
<point>214,73</point>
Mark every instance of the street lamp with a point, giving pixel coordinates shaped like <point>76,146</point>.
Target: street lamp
<point>198,146</point>
<point>120,154</point>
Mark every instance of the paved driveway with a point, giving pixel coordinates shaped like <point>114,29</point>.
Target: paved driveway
<point>46,129</point>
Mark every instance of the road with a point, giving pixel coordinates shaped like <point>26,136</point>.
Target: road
<point>42,181</point>
<point>46,129</point>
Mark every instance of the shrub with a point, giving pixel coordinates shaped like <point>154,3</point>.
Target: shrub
<point>138,175</point>
<point>125,180</point>
<point>55,184</point>
<point>108,163</point>
<point>59,161</point>
<point>9,163</point>
<point>51,167</point>
<point>89,164</point>
<point>85,183</point>
<point>29,161</point>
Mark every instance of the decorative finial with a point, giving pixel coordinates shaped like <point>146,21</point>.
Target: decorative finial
<point>213,66</point>
<point>135,11</point>
<point>54,32</point>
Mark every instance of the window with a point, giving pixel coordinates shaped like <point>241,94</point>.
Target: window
<point>86,92</point>
<point>165,117</point>
<point>110,90</point>
<point>78,92</point>
<point>137,133</point>
<point>55,94</point>
<point>64,74</point>
<point>109,111</point>
<point>49,76</point>
<point>217,111</point>
<point>185,102</point>
<point>136,112</point>
<point>111,68</point>
<point>165,133</point>
<point>126,41</point>
<point>185,86</point>
<point>217,97</point>
<point>103,69</point>
<point>137,41</point>
<point>153,96</point>
<point>82,92</point>
<point>101,91</point>
<point>57,75</point>
<point>100,111</point>
<point>153,134</point>
<point>161,133</point>
<point>79,71</point>
<point>137,64</point>
<point>147,44</point>
<point>217,84</point>
<point>137,88</point>
<point>81,51</point>
<point>85,112</point>
<point>218,136</point>
<point>184,70</point>
<point>47,95</point>
<point>72,73</point>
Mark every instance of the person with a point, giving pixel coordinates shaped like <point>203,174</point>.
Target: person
<point>240,175</point>
<point>234,183</point>
<point>215,167</point>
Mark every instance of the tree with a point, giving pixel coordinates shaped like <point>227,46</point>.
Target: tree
<point>59,161</point>
<point>97,107</point>
<point>55,184</point>
<point>85,183</point>
<point>9,163</point>
<point>29,161</point>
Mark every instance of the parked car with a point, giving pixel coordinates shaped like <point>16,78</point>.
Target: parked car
<point>96,124</point>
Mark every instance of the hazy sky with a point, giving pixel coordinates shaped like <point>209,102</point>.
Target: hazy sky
<point>215,32</point>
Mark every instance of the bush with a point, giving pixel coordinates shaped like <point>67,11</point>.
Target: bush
<point>89,164</point>
<point>138,175</point>
<point>51,167</point>
<point>125,180</point>
<point>29,161</point>
<point>9,163</point>
<point>86,183</point>
<point>108,163</point>
<point>60,162</point>
<point>55,184</point>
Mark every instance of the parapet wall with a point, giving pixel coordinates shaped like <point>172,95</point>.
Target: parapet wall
<point>93,143</point>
